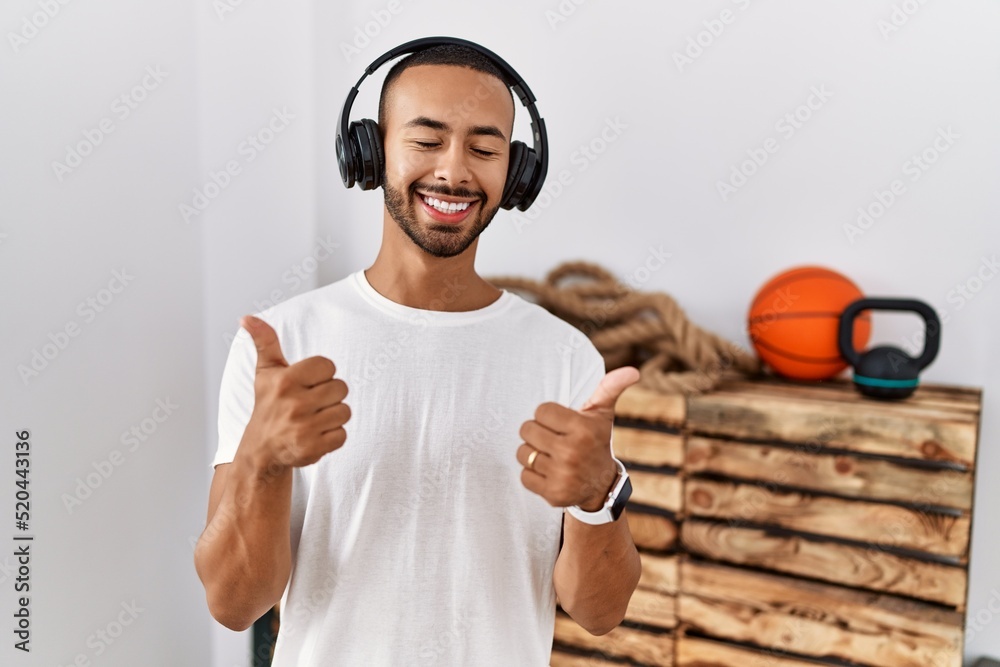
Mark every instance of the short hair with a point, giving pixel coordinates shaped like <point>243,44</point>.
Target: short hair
<point>444,54</point>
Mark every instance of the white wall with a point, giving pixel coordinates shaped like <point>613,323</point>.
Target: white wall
<point>165,335</point>
<point>119,552</point>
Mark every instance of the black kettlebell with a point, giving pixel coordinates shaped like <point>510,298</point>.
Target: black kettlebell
<point>886,371</point>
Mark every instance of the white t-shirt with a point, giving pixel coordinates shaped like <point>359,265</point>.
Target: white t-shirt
<point>416,543</point>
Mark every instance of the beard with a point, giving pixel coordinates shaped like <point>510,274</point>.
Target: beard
<point>437,239</point>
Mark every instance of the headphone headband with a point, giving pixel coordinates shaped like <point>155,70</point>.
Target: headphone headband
<point>510,77</point>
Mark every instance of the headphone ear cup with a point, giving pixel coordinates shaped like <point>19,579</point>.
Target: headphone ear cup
<point>532,180</point>
<point>378,155</point>
<point>345,159</point>
<point>367,163</point>
<point>513,189</point>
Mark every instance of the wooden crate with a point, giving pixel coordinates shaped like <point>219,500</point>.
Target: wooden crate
<point>785,523</point>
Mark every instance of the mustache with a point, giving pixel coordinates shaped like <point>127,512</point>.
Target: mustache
<point>464,193</point>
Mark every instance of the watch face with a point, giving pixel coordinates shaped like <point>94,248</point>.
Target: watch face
<point>616,509</point>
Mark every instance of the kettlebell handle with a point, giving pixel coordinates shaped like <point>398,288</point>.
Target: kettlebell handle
<point>932,327</point>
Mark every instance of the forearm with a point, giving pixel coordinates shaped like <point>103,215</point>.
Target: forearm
<point>596,573</point>
<point>243,557</point>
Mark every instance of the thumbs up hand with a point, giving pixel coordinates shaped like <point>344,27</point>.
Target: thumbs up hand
<point>298,414</point>
<point>573,465</point>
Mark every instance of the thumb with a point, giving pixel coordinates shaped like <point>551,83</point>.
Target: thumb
<point>266,340</point>
<point>611,387</point>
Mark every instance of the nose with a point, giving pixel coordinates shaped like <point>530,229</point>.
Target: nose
<point>452,166</point>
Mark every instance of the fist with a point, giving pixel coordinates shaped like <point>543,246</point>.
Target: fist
<point>298,414</point>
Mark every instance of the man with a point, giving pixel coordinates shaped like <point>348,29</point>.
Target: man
<point>435,532</point>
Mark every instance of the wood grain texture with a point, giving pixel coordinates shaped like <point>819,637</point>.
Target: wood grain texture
<point>645,647</point>
<point>652,608</point>
<point>886,526</point>
<point>637,402</point>
<point>932,396</point>
<point>659,573</point>
<point>869,568</point>
<point>853,476</point>
<point>818,620</point>
<point>698,652</point>
<point>648,447</point>
<point>893,429</point>
<point>656,490</point>
<point>563,659</point>
<point>651,531</point>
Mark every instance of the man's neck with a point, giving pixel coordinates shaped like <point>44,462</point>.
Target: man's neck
<point>456,291</point>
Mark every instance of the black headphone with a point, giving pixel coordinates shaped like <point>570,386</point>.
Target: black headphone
<point>359,145</point>
<point>886,371</point>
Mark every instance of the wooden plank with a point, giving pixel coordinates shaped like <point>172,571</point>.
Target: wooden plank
<point>869,568</point>
<point>946,397</point>
<point>819,620</point>
<point>652,608</point>
<point>563,659</point>
<point>639,645</point>
<point>638,402</point>
<point>651,531</point>
<point>699,652</point>
<point>870,427</point>
<point>857,477</point>
<point>659,573</point>
<point>954,394</point>
<point>647,447</point>
<point>886,526</point>
<point>656,490</point>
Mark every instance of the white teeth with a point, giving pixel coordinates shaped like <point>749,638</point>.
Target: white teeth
<point>447,207</point>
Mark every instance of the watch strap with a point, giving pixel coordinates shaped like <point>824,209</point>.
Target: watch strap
<point>613,505</point>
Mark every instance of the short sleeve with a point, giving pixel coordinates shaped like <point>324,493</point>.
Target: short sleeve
<point>588,371</point>
<point>236,396</point>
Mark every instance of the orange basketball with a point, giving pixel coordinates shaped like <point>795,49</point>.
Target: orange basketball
<point>794,318</point>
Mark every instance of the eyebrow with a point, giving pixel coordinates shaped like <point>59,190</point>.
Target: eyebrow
<point>475,130</point>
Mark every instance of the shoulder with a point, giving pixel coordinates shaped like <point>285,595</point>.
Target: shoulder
<point>294,317</point>
<point>293,306</point>
<point>565,338</point>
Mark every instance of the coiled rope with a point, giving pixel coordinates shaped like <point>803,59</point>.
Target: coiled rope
<point>647,330</point>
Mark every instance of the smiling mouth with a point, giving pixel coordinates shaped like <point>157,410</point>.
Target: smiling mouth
<point>447,207</point>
